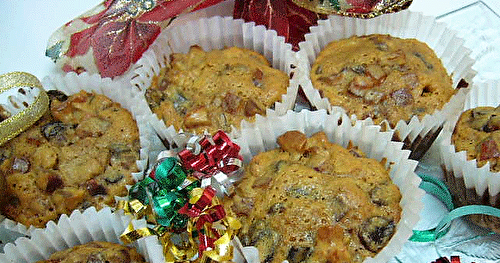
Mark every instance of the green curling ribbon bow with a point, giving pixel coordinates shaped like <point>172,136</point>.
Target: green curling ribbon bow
<point>169,173</point>
<point>140,190</point>
<point>168,192</point>
<point>439,190</point>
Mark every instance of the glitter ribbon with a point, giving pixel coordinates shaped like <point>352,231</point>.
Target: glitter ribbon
<point>24,114</point>
<point>355,8</point>
<point>189,220</point>
<point>439,189</point>
<point>209,155</point>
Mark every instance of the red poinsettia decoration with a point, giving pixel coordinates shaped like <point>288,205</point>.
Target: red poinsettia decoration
<point>119,32</point>
<point>284,16</point>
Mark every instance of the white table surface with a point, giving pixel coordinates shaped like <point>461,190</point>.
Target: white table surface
<point>26,25</point>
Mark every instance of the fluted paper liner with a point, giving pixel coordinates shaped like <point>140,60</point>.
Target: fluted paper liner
<point>213,33</point>
<point>261,136</point>
<point>418,135</point>
<point>71,84</point>
<point>474,185</point>
<point>76,229</point>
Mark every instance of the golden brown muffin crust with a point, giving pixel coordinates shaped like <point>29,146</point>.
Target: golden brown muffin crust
<point>213,90</point>
<point>477,131</point>
<point>382,77</point>
<point>96,251</point>
<point>81,153</point>
<point>315,201</point>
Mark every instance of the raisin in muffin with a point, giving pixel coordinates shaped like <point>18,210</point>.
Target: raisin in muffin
<point>97,251</point>
<point>477,132</point>
<point>382,77</point>
<point>315,201</point>
<point>215,90</point>
<point>81,153</point>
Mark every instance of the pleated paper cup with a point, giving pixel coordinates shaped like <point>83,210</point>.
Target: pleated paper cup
<point>417,134</point>
<point>213,33</point>
<point>469,183</point>
<point>261,136</point>
<point>77,229</point>
<point>71,84</point>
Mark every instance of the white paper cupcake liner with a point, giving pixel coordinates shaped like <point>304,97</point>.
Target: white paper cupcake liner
<point>72,83</point>
<point>213,33</point>
<point>477,185</point>
<point>418,135</point>
<point>261,136</point>
<point>77,229</point>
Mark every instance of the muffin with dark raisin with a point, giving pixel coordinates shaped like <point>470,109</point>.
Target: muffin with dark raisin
<point>400,83</point>
<point>382,77</point>
<point>207,91</point>
<point>311,200</point>
<point>477,133</point>
<point>97,251</point>
<point>80,153</point>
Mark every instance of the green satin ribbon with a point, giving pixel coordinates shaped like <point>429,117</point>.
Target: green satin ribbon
<point>440,191</point>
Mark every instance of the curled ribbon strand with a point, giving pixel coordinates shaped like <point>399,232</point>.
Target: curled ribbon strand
<point>10,84</point>
<point>439,189</point>
<point>188,220</point>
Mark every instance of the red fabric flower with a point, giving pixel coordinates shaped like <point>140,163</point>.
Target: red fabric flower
<point>284,16</point>
<point>121,32</point>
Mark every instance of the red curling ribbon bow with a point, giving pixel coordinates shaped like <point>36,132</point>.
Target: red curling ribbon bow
<point>217,154</point>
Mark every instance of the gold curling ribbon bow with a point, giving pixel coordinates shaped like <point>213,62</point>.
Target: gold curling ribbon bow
<point>226,227</point>
<point>23,119</point>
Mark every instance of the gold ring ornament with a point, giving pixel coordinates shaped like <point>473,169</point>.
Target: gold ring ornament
<point>23,101</point>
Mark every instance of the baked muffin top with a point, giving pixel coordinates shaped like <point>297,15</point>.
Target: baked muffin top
<point>315,201</point>
<point>477,131</point>
<point>81,153</point>
<point>96,251</point>
<point>382,77</point>
<point>213,90</point>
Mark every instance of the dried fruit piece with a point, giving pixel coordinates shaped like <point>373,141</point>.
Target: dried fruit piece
<point>292,141</point>
<point>94,188</point>
<point>54,182</point>
<point>21,165</point>
<point>264,239</point>
<point>243,205</point>
<point>479,118</point>
<point>402,97</point>
<point>276,208</point>
<point>251,108</point>
<point>230,103</point>
<point>339,207</point>
<point>375,232</point>
<point>257,78</point>
<point>493,124</point>
<point>198,117</point>
<point>54,130</point>
<point>488,149</point>
<point>299,254</point>
<point>113,178</point>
